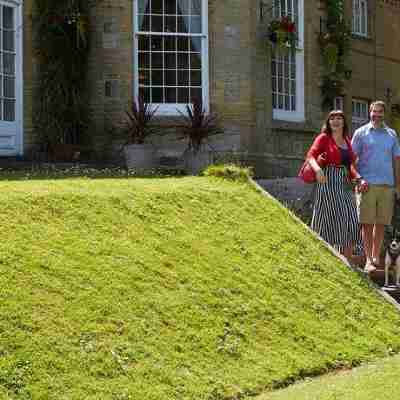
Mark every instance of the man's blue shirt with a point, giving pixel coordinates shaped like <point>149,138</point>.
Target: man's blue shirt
<point>376,150</point>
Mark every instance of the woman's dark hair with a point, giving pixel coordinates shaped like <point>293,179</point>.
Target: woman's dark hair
<point>326,128</point>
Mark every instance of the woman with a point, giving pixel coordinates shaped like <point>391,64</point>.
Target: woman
<point>335,213</point>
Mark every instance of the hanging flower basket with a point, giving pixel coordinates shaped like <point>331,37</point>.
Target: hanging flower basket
<point>282,33</point>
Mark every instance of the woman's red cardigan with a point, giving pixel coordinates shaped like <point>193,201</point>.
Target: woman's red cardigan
<point>325,143</point>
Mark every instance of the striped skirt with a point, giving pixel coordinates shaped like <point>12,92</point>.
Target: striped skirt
<point>335,213</point>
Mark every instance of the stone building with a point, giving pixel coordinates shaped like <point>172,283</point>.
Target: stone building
<point>171,50</point>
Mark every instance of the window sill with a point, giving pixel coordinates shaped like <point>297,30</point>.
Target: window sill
<point>171,110</point>
<point>359,36</point>
<point>288,116</point>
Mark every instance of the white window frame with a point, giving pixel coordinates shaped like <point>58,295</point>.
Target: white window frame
<point>338,103</point>
<point>298,115</point>
<point>360,18</point>
<point>16,128</point>
<point>359,119</point>
<point>174,109</point>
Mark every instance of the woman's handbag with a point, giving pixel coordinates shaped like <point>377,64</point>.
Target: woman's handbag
<point>307,174</point>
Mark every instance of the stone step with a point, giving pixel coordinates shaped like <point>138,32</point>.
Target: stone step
<point>378,277</point>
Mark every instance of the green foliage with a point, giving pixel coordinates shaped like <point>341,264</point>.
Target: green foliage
<point>335,48</point>
<point>332,86</point>
<point>283,33</point>
<point>198,125</point>
<point>138,125</point>
<point>229,171</point>
<point>183,288</point>
<point>61,29</point>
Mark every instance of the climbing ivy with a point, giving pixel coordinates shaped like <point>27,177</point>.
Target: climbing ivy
<point>61,30</point>
<point>334,40</point>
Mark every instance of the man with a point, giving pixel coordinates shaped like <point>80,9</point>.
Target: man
<point>378,150</point>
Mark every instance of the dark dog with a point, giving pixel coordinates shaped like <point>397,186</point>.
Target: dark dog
<point>392,259</point>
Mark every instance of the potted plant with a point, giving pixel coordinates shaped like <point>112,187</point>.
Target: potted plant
<point>282,33</point>
<point>198,126</point>
<point>138,153</point>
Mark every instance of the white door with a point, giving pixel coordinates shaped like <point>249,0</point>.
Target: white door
<point>10,78</point>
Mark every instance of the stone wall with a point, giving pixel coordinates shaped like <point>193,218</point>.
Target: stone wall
<point>239,79</point>
<point>30,80</point>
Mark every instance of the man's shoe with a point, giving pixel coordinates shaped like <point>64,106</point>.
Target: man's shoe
<point>369,267</point>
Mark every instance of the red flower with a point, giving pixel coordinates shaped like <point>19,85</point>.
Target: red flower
<point>291,27</point>
<point>285,21</point>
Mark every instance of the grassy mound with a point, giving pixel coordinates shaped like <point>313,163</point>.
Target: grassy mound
<point>178,288</point>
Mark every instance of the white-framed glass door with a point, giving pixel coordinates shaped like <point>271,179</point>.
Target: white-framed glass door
<point>11,78</point>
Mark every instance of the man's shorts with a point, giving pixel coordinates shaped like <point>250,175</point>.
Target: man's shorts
<point>376,205</point>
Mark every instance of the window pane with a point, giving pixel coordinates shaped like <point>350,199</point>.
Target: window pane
<point>157,6</point>
<point>183,60</point>
<point>287,103</point>
<point>283,7</point>
<point>183,24</point>
<point>195,44</point>
<point>171,95</point>
<point>9,110</point>
<point>195,61</point>
<point>170,43</point>
<point>9,64</point>
<point>280,86</point>
<point>195,24</point>
<point>144,22</point>
<point>170,77</point>
<point>170,6</point>
<point>9,87</point>
<point>8,40</point>
<point>293,101</point>
<point>8,18</point>
<point>143,6</point>
<point>195,7</point>
<point>157,60</point>
<point>170,60</point>
<point>183,78</point>
<point>169,24</point>
<point>195,78</point>
<point>156,23</point>
<point>157,77</point>
<point>195,94</point>
<point>183,95</point>
<point>183,7</point>
<point>280,101</point>
<point>157,95</point>
<point>183,44</point>
<point>156,43</point>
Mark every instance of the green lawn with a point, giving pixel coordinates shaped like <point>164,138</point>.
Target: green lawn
<point>377,381</point>
<point>175,288</point>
